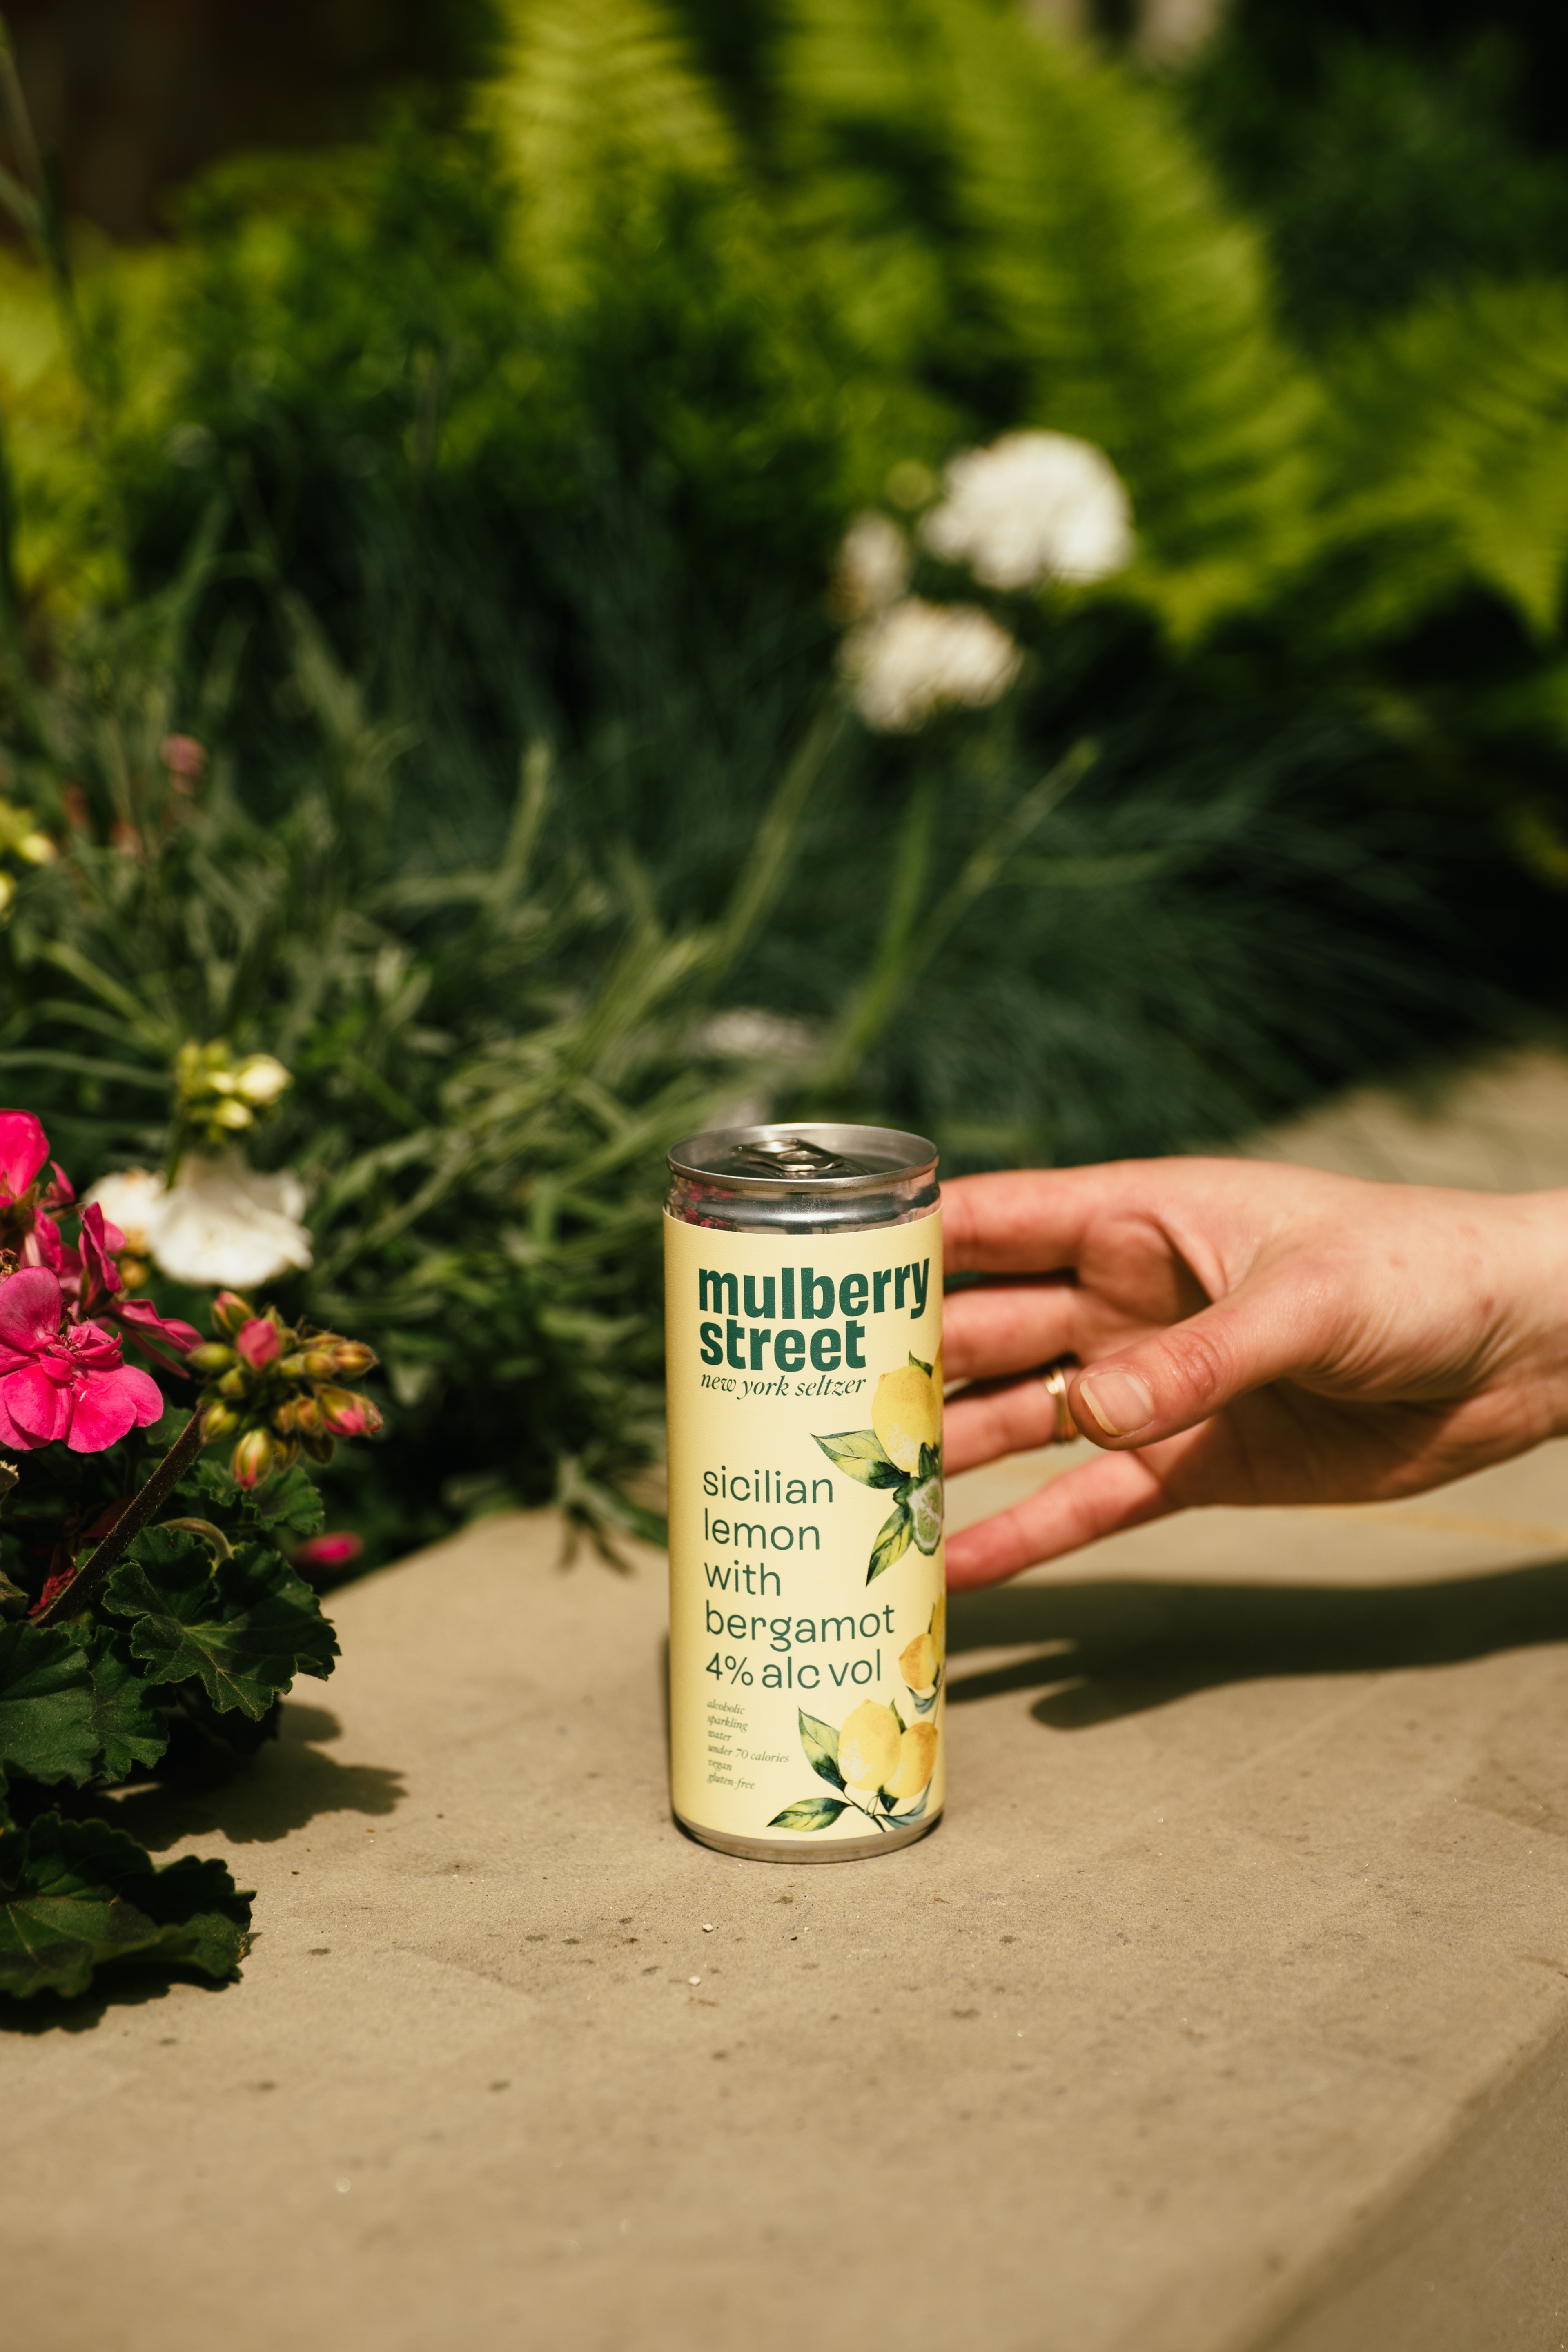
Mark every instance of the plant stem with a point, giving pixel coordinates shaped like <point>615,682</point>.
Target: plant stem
<point>91,1576</point>
<point>908,944</point>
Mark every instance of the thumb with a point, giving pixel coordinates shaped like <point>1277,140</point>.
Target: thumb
<point>1168,1382</point>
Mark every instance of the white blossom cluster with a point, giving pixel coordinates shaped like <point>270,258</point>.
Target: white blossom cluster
<point>918,658</point>
<point>1033,507</point>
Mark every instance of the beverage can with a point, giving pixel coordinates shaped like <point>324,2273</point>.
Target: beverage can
<point>808,1610</point>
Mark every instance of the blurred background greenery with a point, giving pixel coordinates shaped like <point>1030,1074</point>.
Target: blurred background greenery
<point>450,419</point>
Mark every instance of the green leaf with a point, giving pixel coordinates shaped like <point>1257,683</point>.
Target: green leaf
<point>244,1630</point>
<point>916,1810</point>
<point>858,1453</point>
<point>128,1730</point>
<point>809,1813</point>
<point>47,1729</point>
<point>892,1541</point>
<point>820,1741</point>
<point>920,1367</point>
<point>285,1510</point>
<point>77,1895</point>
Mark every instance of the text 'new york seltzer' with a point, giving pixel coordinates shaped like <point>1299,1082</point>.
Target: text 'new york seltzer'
<point>808,1610</point>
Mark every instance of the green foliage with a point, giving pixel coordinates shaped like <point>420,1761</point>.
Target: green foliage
<point>47,1727</point>
<point>80,1897</point>
<point>1389,170</point>
<point>475,499</point>
<point>188,1652</point>
<point>242,1627</point>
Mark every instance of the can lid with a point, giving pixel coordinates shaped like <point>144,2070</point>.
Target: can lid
<point>816,1157</point>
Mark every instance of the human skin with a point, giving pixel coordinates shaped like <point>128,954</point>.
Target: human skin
<point>1248,1333</point>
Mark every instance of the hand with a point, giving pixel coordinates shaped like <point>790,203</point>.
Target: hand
<point>1250,1333</point>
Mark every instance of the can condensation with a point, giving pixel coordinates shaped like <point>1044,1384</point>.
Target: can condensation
<point>803,1300</point>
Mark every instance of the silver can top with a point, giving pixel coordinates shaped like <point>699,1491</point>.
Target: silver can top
<point>824,1159</point>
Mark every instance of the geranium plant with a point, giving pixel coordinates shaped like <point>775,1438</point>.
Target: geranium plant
<point>147,1600</point>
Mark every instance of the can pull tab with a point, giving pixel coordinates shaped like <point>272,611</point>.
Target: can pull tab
<point>791,1155</point>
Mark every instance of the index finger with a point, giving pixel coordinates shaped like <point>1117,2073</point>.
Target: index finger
<point>1019,1220</point>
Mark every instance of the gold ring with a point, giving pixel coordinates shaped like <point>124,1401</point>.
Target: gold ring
<point>1056,1376</point>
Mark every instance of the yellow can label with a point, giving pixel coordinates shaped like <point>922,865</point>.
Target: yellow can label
<point>806,1590</point>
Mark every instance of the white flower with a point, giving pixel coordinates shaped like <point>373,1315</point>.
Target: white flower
<point>218,1222</point>
<point>1033,505</point>
<point>747,1033</point>
<point>134,1202</point>
<point>873,567</point>
<point>919,657</point>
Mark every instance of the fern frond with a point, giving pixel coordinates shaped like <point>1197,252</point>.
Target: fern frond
<point>599,109</point>
<point>1448,450</point>
<point>1088,249</point>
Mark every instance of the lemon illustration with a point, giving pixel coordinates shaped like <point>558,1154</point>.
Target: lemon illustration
<point>906,1414</point>
<point>917,1761</point>
<point>939,1627</point>
<point>918,1663</point>
<point>868,1745</point>
<point>925,1509</point>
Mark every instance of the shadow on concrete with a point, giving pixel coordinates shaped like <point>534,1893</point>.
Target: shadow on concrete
<point>281,1789</point>
<point>1111,1649</point>
<point>123,1985</point>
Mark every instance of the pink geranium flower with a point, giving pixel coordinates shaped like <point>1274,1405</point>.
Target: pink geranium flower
<point>62,1379</point>
<point>26,1225</point>
<point>98,1291</point>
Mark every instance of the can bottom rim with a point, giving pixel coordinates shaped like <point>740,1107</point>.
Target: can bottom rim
<point>797,1850</point>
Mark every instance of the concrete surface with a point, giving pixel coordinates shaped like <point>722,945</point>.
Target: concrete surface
<point>1222,2011</point>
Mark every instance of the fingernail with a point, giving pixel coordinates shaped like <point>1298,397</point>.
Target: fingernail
<point>1119,1401</point>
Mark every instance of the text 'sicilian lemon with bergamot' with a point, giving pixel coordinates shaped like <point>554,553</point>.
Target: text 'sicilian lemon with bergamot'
<point>808,1613</point>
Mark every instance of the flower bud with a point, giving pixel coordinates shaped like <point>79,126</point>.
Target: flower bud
<point>258,1342</point>
<point>254,1458</point>
<point>293,1367</point>
<point>321,1363</point>
<point>211,1356</point>
<point>234,1384</point>
<point>307,1416</point>
<point>261,1079</point>
<point>285,1454</point>
<point>352,1356</point>
<point>229,1311</point>
<point>283,1419</point>
<point>346,1413</point>
<point>320,1449</point>
<point>327,1551</point>
<point>217,1421</point>
<point>232,1113</point>
<point>183,755</point>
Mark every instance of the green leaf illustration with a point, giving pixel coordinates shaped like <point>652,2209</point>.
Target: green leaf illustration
<point>892,1541</point>
<point>924,1705</point>
<point>930,1462</point>
<point>246,1628</point>
<point>75,1895</point>
<point>46,1729</point>
<point>820,1741</point>
<point>858,1453</point>
<point>920,1367</point>
<point>810,1813</point>
<point>916,1810</point>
